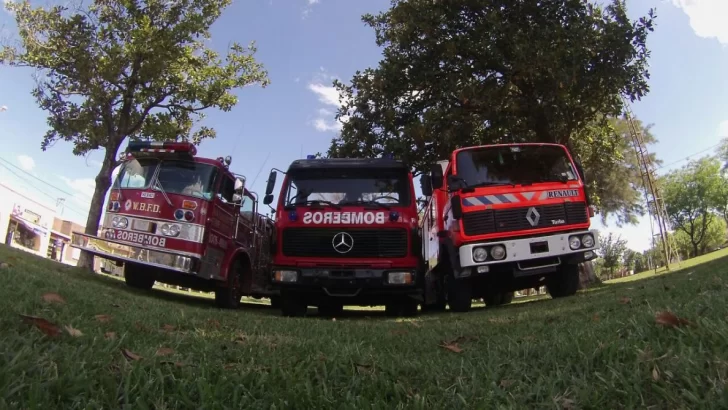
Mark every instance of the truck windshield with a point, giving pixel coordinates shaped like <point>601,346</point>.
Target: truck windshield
<point>347,187</point>
<point>524,164</point>
<point>175,176</point>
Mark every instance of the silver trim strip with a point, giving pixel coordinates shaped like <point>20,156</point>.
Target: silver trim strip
<point>188,232</point>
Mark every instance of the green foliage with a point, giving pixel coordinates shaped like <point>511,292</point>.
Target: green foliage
<point>127,68</point>
<point>612,250</point>
<point>691,196</point>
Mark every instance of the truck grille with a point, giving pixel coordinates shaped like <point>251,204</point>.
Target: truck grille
<point>514,219</point>
<point>367,243</point>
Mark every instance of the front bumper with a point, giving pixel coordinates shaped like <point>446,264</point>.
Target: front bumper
<point>342,282</point>
<point>122,252</point>
<point>521,250</point>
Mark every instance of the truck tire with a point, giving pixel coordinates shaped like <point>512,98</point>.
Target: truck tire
<point>497,299</point>
<point>293,306</point>
<point>564,282</point>
<point>228,296</point>
<point>138,276</point>
<point>459,294</point>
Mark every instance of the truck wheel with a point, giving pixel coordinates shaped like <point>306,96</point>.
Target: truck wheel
<point>459,294</point>
<point>497,299</point>
<point>293,306</point>
<point>331,309</point>
<point>138,276</point>
<point>564,282</point>
<point>228,296</point>
<point>507,297</point>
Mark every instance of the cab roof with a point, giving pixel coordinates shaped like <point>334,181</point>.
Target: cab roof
<point>347,163</point>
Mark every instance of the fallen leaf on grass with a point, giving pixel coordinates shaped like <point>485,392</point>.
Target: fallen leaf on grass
<point>398,332</point>
<point>43,325</point>
<point>213,323</point>
<point>596,317</point>
<point>625,300</point>
<point>110,335</point>
<point>241,338</point>
<point>168,328</point>
<point>73,331</point>
<point>140,326</point>
<point>655,374</point>
<point>669,319</point>
<point>230,366</point>
<point>164,351</point>
<point>506,383</point>
<point>102,318</point>
<point>52,297</point>
<point>363,368</point>
<point>130,355</point>
<point>453,347</point>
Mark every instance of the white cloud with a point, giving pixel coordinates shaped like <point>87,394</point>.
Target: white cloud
<point>707,17</point>
<point>723,129</point>
<point>326,94</point>
<point>26,162</point>
<point>322,125</point>
<point>309,7</point>
<point>3,108</point>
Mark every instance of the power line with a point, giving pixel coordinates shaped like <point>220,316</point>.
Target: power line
<point>35,177</point>
<point>53,197</point>
<point>691,155</point>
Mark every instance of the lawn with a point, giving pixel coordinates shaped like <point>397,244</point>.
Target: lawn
<point>613,347</point>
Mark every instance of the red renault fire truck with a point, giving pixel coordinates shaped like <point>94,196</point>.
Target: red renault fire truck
<point>184,220</point>
<point>502,218</point>
<point>347,234</point>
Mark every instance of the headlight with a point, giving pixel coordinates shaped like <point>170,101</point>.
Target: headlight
<point>574,242</point>
<point>587,240</point>
<point>498,252</point>
<point>170,229</point>
<point>115,222</point>
<point>285,276</point>
<point>399,278</point>
<point>119,222</point>
<point>480,254</point>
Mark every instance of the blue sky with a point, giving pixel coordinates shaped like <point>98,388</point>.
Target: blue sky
<point>304,44</point>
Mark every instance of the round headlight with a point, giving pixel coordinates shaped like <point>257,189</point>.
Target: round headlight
<point>165,229</point>
<point>123,223</point>
<point>480,254</point>
<point>115,221</point>
<point>174,230</point>
<point>587,240</point>
<point>574,242</point>
<point>498,252</point>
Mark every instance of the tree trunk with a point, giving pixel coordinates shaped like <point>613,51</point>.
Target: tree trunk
<point>103,182</point>
<point>695,250</point>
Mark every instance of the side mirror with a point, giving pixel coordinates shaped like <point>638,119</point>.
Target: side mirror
<point>426,185</point>
<point>240,185</point>
<point>436,176</point>
<point>271,183</point>
<point>268,199</point>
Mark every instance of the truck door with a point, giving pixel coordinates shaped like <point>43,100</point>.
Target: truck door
<point>224,217</point>
<point>246,226</point>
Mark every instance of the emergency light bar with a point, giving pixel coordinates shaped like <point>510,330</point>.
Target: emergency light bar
<point>162,147</point>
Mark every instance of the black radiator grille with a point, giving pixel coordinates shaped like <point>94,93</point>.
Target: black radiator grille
<point>514,219</point>
<point>367,243</point>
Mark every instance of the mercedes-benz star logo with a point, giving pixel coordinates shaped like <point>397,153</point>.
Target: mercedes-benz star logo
<point>342,242</point>
<point>532,216</point>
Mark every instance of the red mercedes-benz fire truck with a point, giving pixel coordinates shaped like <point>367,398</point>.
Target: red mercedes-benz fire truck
<point>502,218</point>
<point>184,220</point>
<point>347,234</point>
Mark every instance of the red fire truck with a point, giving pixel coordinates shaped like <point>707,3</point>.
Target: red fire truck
<point>502,218</point>
<point>184,220</point>
<point>347,234</point>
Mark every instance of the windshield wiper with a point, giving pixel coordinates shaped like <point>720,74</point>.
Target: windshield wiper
<point>159,185</point>
<point>313,202</point>
<point>385,206</point>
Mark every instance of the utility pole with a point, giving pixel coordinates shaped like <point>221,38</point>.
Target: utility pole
<point>653,198</point>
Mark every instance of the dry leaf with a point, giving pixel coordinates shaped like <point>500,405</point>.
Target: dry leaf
<point>140,326</point>
<point>668,319</point>
<point>43,325</point>
<point>655,374</point>
<point>73,331</point>
<point>230,366</point>
<point>453,347</point>
<point>130,355</point>
<point>567,404</point>
<point>625,300</point>
<point>164,351</point>
<point>102,318</point>
<point>241,338</point>
<point>52,297</point>
<point>168,328</point>
<point>398,332</point>
<point>506,383</point>
<point>110,335</point>
<point>363,368</point>
<point>214,323</point>
<point>596,317</point>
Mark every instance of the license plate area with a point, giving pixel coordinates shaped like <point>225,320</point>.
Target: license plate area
<point>539,247</point>
<point>142,226</point>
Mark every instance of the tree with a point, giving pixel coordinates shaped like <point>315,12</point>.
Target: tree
<point>461,73</point>
<point>612,250</point>
<point>691,196</point>
<point>127,69</point>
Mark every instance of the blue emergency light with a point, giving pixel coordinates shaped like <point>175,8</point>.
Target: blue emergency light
<point>309,156</point>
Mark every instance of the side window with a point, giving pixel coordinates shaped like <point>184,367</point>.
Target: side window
<point>248,209</point>
<point>227,189</point>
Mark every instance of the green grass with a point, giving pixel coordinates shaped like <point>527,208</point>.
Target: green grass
<point>675,266</point>
<point>598,350</point>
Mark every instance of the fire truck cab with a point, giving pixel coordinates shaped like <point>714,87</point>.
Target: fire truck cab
<point>502,218</point>
<point>184,220</point>
<point>347,234</point>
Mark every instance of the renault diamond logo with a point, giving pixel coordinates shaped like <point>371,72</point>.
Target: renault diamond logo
<point>342,242</point>
<point>532,216</point>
